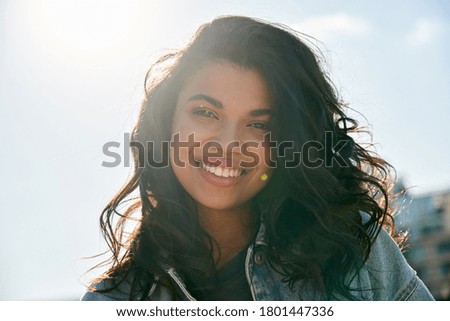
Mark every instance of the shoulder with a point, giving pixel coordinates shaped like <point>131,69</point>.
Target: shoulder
<point>389,275</point>
<point>108,290</point>
<point>116,289</point>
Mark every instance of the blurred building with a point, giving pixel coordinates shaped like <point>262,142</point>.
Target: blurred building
<point>427,218</point>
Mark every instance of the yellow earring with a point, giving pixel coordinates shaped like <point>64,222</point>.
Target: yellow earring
<point>264,177</point>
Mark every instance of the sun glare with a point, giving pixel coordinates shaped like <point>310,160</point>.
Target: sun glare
<point>86,27</point>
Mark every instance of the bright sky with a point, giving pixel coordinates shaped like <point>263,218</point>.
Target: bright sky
<point>71,77</point>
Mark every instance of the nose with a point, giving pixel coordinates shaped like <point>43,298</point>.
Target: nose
<point>224,141</point>
<point>229,137</point>
<point>228,134</point>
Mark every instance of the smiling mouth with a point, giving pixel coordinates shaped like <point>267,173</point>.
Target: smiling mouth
<point>222,172</point>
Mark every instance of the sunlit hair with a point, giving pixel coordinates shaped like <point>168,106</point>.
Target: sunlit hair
<point>315,233</point>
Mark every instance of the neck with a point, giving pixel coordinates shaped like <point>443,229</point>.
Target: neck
<point>231,229</point>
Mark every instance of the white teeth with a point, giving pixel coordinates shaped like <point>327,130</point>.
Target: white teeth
<point>222,172</point>
<point>218,171</point>
<point>235,172</point>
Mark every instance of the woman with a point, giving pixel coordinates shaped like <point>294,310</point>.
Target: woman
<point>266,196</point>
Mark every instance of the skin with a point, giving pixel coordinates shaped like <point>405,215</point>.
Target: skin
<point>229,105</point>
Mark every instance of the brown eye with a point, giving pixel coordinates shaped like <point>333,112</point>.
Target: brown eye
<point>204,112</point>
<point>260,125</point>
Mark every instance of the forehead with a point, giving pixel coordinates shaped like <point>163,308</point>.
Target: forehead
<point>228,83</point>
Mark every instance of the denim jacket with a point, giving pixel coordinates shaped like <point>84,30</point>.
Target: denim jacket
<point>386,276</point>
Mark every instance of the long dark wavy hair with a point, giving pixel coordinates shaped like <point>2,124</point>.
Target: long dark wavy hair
<point>315,233</point>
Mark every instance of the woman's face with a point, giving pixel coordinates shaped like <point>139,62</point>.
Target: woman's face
<point>223,112</point>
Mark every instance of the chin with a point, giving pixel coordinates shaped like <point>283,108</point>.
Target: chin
<point>218,204</point>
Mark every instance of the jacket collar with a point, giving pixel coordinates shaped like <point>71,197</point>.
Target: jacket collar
<point>260,240</point>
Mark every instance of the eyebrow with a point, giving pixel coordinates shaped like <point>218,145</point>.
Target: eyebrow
<point>207,98</point>
<point>261,112</point>
<point>219,105</point>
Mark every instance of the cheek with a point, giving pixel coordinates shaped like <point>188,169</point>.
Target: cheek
<point>179,151</point>
<point>264,158</point>
<point>180,128</point>
<point>266,164</point>
<point>187,131</point>
<point>269,153</point>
